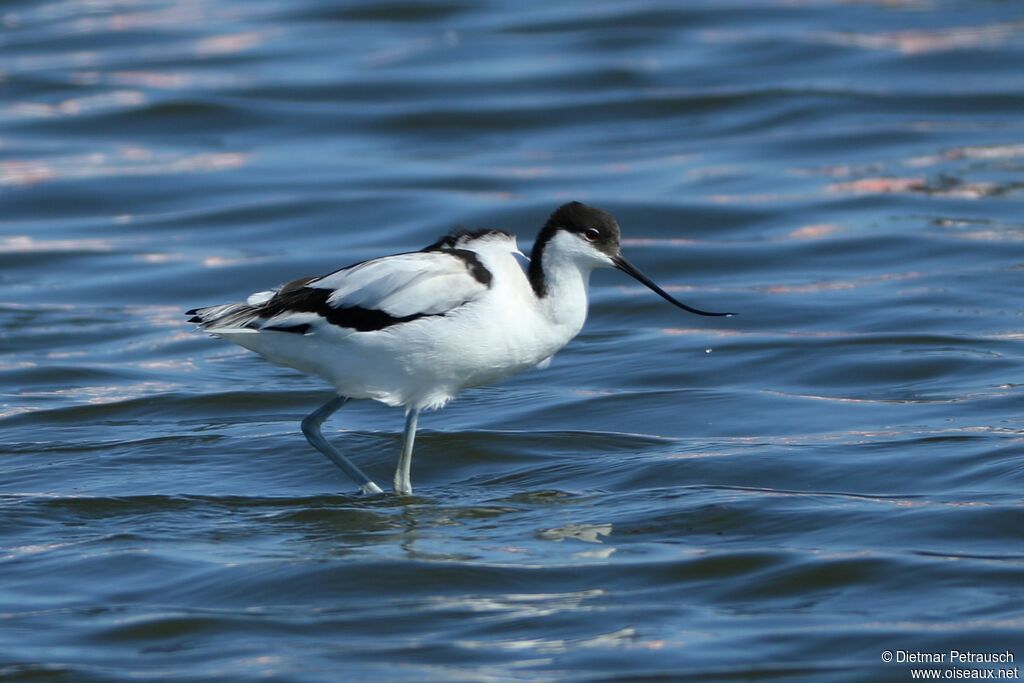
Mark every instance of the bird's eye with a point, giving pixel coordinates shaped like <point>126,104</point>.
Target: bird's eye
<point>592,234</point>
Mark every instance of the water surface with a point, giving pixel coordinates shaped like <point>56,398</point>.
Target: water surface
<point>782,495</point>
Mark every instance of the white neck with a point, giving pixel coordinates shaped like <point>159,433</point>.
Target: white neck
<point>566,280</point>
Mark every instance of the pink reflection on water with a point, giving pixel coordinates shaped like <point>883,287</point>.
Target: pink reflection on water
<point>181,13</point>
<point>837,171</point>
<point>944,187</point>
<point>907,42</point>
<point>229,44</point>
<point>160,257</point>
<point>813,232</point>
<point>527,172</point>
<point>100,395</point>
<point>833,285</point>
<point>24,244</point>
<point>1012,151</point>
<point>77,106</point>
<point>225,261</point>
<point>804,232</point>
<point>879,186</point>
<point>127,161</point>
<point>17,172</point>
<point>157,80</point>
<point>913,42</point>
<point>761,197</point>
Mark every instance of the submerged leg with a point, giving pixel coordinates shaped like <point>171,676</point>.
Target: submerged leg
<point>311,428</point>
<point>403,484</point>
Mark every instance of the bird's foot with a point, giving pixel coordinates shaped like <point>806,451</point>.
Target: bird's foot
<point>370,489</point>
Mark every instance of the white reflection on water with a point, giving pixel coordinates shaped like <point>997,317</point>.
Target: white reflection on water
<point>77,106</point>
<point>622,638</point>
<point>588,533</point>
<point>99,395</point>
<point>907,42</point>
<point>1008,151</point>
<point>519,605</point>
<point>914,42</point>
<point>26,244</point>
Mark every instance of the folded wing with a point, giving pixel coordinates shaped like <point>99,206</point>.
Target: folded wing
<point>365,297</point>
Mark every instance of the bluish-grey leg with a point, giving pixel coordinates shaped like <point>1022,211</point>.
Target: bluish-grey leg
<point>403,483</point>
<point>311,428</point>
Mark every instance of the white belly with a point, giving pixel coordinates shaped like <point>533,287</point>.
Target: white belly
<point>423,363</point>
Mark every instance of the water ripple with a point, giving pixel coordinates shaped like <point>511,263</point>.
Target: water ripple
<point>777,496</point>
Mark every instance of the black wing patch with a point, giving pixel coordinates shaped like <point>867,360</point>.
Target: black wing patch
<point>312,300</point>
<point>449,244</point>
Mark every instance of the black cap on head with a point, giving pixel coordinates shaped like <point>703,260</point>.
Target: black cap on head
<point>593,224</point>
<point>602,230</point>
<point>596,226</point>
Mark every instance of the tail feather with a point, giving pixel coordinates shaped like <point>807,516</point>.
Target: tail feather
<point>213,318</point>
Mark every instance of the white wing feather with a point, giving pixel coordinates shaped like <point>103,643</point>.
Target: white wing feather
<point>404,284</point>
<point>430,282</point>
<point>260,298</point>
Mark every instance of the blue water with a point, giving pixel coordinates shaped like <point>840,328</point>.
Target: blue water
<point>779,496</point>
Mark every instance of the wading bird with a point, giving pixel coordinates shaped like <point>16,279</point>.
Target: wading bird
<point>414,329</point>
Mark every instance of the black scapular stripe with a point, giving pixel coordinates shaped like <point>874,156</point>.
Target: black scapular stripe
<point>476,269</point>
<point>314,300</point>
<point>448,245</point>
